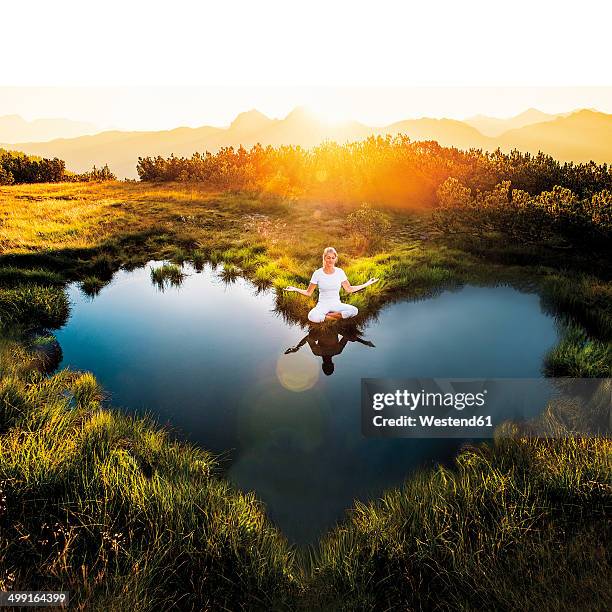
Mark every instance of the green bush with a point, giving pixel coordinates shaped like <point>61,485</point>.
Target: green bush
<point>556,218</point>
<point>369,224</point>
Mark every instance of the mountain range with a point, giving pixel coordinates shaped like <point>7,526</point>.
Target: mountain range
<point>14,128</point>
<point>579,136</point>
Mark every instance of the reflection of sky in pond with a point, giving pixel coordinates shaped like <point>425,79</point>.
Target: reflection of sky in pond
<point>208,359</point>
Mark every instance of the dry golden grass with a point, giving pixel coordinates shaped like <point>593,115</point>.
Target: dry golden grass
<point>43,217</point>
<point>68,215</point>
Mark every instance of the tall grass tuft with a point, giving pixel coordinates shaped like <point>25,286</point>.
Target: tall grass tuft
<point>33,305</point>
<point>579,356</point>
<point>92,285</point>
<point>167,275</point>
<point>198,259</point>
<point>581,298</point>
<point>265,274</point>
<point>179,255</point>
<point>86,391</point>
<point>230,272</point>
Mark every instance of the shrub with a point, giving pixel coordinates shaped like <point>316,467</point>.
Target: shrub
<point>368,223</point>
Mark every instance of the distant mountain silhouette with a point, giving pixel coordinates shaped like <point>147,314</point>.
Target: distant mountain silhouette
<point>493,126</point>
<point>580,136</point>
<point>14,128</point>
<point>250,122</point>
<point>303,127</point>
<point>447,132</point>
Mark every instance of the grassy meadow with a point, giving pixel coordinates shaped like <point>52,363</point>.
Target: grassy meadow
<point>109,507</point>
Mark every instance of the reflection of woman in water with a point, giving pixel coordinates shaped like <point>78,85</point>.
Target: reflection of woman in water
<point>330,279</point>
<point>324,343</point>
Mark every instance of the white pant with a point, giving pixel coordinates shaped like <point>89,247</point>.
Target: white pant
<point>317,314</point>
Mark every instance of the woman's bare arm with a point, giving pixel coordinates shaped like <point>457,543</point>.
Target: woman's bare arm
<point>306,292</point>
<point>298,346</point>
<point>352,288</point>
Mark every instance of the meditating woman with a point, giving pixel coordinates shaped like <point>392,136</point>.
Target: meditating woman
<point>329,279</point>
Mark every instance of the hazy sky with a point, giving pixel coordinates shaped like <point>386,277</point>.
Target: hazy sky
<point>274,55</point>
<point>168,107</point>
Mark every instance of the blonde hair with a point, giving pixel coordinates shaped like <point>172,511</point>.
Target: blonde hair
<point>327,250</point>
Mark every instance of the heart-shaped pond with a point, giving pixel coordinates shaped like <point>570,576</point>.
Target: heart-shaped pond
<point>212,360</point>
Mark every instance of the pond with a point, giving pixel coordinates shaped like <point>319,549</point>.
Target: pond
<point>211,360</point>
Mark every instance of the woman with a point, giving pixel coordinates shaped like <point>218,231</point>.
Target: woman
<point>329,280</point>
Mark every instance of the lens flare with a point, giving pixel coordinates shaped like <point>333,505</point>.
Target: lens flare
<point>297,372</point>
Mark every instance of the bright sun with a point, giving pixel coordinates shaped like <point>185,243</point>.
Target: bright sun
<point>328,113</point>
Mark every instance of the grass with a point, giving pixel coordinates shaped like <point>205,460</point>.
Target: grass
<point>92,285</point>
<point>230,272</point>
<point>577,355</point>
<point>13,276</point>
<point>198,259</point>
<point>518,526</point>
<point>100,503</point>
<point>581,297</point>
<point>40,305</point>
<point>111,508</point>
<point>265,274</point>
<point>167,274</point>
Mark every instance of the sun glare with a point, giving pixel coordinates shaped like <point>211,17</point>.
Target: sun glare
<point>328,113</point>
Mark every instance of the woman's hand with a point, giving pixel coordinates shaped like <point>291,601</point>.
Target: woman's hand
<point>352,288</point>
<point>306,292</point>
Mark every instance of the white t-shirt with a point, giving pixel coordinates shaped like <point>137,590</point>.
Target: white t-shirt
<point>329,284</point>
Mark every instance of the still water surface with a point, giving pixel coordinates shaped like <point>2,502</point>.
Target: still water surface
<point>209,360</point>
